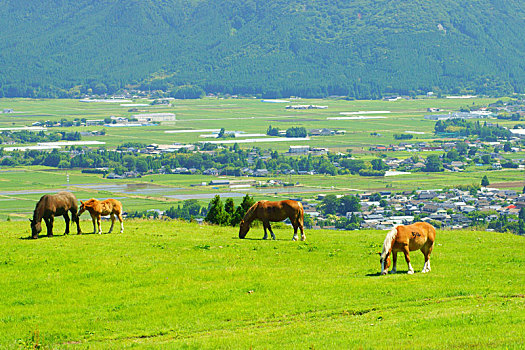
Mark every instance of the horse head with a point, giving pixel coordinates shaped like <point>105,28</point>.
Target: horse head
<point>243,229</point>
<point>36,227</point>
<point>82,208</point>
<point>385,263</point>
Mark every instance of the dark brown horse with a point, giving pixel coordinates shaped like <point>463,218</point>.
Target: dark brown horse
<point>267,211</point>
<point>406,238</point>
<point>53,205</point>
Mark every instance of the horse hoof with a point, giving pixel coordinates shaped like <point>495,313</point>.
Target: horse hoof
<point>34,237</point>
<point>410,272</point>
<point>393,272</point>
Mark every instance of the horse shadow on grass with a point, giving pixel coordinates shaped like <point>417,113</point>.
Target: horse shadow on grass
<point>260,239</point>
<point>375,274</point>
<point>29,238</point>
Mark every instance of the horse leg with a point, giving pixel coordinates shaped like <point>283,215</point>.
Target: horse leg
<point>112,222</point>
<point>394,262</point>
<point>121,222</point>
<point>99,218</point>
<point>407,258</point>
<point>426,253</point>
<point>66,219</point>
<point>300,221</point>
<point>76,220</point>
<point>264,227</point>
<point>295,228</point>
<point>271,232</point>
<point>93,219</point>
<point>49,225</point>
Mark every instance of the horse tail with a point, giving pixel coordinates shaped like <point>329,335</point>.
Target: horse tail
<point>389,240</point>
<point>301,213</point>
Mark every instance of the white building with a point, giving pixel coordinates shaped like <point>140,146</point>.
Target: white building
<point>155,117</point>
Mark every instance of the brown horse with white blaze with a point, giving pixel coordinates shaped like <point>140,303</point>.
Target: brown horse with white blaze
<point>268,211</point>
<point>51,205</point>
<point>406,238</point>
<point>97,209</point>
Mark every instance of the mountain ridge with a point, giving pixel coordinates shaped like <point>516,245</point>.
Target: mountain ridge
<point>274,48</point>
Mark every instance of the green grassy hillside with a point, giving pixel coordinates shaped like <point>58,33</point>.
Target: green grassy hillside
<point>277,48</point>
<point>178,285</point>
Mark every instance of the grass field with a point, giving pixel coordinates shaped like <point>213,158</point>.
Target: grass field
<point>179,285</point>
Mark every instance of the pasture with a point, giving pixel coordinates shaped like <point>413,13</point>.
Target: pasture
<point>181,285</point>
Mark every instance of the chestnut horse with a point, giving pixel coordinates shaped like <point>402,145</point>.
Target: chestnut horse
<point>405,238</point>
<point>267,211</point>
<point>98,208</point>
<point>51,205</point>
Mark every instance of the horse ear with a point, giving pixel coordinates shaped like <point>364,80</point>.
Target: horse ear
<point>81,202</point>
<point>379,253</point>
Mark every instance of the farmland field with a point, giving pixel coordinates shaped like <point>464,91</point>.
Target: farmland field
<point>248,115</point>
<point>181,285</point>
<point>21,187</point>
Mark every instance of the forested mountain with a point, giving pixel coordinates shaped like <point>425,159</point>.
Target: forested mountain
<point>360,48</point>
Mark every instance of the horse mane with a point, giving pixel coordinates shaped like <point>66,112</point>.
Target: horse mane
<point>39,208</point>
<point>90,202</point>
<point>249,214</point>
<point>389,239</point>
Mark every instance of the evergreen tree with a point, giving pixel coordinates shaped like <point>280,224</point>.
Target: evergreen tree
<point>229,209</point>
<point>521,222</point>
<point>485,181</point>
<point>247,202</point>
<point>216,214</point>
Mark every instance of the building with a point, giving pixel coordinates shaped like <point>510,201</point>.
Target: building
<point>296,150</point>
<point>155,117</point>
<point>460,115</point>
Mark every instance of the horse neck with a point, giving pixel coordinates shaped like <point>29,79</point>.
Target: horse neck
<point>38,214</point>
<point>389,242</point>
<point>250,214</point>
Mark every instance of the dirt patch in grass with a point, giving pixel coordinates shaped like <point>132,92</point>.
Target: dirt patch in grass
<point>508,184</point>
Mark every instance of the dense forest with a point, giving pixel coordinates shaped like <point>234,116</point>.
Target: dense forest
<point>271,48</point>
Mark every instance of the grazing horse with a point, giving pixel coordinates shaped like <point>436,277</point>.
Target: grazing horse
<point>51,205</point>
<point>267,211</point>
<point>98,208</point>
<point>405,238</point>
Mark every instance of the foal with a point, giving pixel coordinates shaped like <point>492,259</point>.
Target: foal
<point>98,208</point>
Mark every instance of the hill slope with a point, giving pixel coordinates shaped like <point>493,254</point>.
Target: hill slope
<point>177,285</point>
<point>309,48</point>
